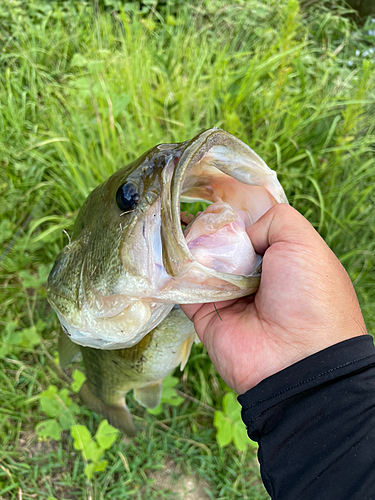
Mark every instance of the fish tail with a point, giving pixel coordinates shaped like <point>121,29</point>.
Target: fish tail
<point>118,416</point>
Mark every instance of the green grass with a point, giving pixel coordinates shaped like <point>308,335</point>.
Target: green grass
<point>83,92</point>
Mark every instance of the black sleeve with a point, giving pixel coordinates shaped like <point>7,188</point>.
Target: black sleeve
<point>315,425</point>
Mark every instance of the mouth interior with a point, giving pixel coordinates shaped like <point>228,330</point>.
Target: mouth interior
<point>216,234</point>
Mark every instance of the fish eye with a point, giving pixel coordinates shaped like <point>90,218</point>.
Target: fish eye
<point>127,197</point>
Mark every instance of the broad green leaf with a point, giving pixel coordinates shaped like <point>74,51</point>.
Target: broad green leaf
<point>50,391</point>
<point>100,466</point>
<point>66,419</point>
<point>106,434</point>
<point>223,427</point>
<point>51,406</point>
<point>169,394</point>
<point>155,411</point>
<point>94,65</point>
<point>10,338</point>
<point>49,429</point>
<point>78,60</point>
<point>170,397</point>
<point>32,281</point>
<point>30,337</point>
<point>82,85</point>
<point>89,470</point>
<point>81,436</point>
<point>240,438</point>
<point>64,396</point>
<point>40,325</point>
<point>11,327</point>
<point>4,350</point>
<point>15,338</point>
<point>231,406</point>
<point>170,381</point>
<point>92,451</point>
<point>29,280</point>
<point>78,380</point>
<point>95,467</point>
<point>50,403</point>
<point>74,409</point>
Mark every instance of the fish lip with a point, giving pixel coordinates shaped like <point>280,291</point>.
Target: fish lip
<point>244,168</point>
<point>180,260</point>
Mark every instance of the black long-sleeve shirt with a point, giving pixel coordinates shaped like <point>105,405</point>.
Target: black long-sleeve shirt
<point>315,425</point>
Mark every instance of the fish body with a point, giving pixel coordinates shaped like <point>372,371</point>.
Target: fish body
<point>115,286</point>
<point>111,374</point>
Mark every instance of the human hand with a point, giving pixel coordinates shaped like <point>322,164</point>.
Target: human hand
<point>305,303</point>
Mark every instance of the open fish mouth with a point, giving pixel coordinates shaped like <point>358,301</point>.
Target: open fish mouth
<point>213,246</point>
<point>124,271</point>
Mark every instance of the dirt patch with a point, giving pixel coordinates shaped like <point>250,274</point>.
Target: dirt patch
<point>183,487</point>
<point>29,445</point>
<point>30,448</point>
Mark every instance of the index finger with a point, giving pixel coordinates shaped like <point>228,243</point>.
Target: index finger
<point>190,310</point>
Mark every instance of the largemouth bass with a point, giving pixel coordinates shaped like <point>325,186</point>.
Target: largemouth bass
<point>134,256</point>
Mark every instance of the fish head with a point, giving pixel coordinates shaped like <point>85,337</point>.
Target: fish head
<point>130,260</point>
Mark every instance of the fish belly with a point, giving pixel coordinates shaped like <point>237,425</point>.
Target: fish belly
<point>111,374</point>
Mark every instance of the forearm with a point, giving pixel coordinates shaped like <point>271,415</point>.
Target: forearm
<point>315,424</point>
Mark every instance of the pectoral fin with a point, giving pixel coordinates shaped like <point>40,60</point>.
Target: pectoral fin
<point>117,415</point>
<point>185,350</point>
<point>68,350</point>
<point>150,395</point>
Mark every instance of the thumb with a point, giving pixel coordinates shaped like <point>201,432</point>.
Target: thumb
<point>281,223</point>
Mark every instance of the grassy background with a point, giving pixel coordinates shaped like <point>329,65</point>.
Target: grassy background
<point>84,89</point>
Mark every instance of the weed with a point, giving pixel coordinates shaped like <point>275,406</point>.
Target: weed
<point>84,91</point>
